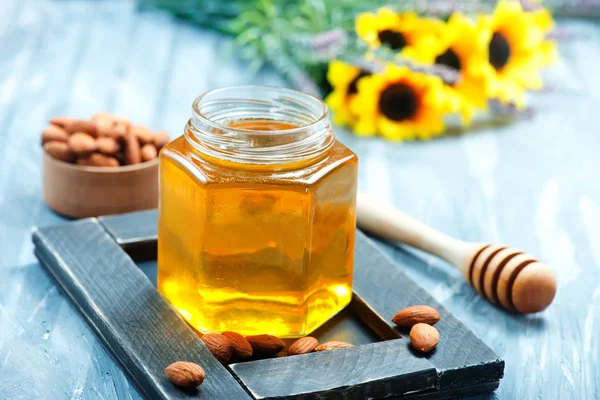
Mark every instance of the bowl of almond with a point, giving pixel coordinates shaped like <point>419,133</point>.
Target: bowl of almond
<point>102,166</point>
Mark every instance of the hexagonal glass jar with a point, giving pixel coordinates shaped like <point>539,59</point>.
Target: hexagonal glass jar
<point>257,214</point>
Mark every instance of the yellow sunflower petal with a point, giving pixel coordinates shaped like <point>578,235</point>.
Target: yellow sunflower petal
<point>368,25</point>
<point>542,19</point>
<point>366,28</point>
<point>341,74</point>
<point>336,101</point>
<point>396,131</point>
<point>365,127</point>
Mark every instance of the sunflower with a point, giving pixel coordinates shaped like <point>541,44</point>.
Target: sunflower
<point>459,46</point>
<point>343,78</point>
<point>403,32</point>
<point>400,104</point>
<point>516,49</point>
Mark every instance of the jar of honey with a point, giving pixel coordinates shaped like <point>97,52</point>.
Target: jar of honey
<point>257,214</point>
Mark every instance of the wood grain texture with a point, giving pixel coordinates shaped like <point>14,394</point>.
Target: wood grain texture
<point>136,230</point>
<point>137,236</point>
<point>531,184</point>
<point>375,370</point>
<point>469,392</point>
<point>134,322</point>
<point>76,191</point>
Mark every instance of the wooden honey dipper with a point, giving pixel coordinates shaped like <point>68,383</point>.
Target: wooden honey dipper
<point>503,275</point>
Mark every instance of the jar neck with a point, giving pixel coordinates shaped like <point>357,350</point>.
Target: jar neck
<point>218,133</point>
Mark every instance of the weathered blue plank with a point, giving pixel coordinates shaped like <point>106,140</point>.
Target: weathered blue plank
<point>41,84</point>
<point>143,68</point>
<point>46,350</point>
<point>531,184</point>
<point>102,55</point>
<point>200,61</point>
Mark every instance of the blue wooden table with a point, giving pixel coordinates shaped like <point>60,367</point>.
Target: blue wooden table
<point>533,184</point>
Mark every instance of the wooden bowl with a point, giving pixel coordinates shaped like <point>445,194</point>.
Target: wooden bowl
<point>80,191</point>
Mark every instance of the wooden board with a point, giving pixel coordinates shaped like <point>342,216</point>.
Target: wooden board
<point>369,371</point>
<point>461,364</point>
<point>381,289</point>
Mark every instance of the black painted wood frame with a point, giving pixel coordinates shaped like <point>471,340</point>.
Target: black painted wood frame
<point>91,261</point>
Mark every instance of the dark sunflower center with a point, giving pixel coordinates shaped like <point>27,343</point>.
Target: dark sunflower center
<point>352,89</point>
<point>449,59</point>
<point>398,102</point>
<point>392,39</point>
<point>499,50</point>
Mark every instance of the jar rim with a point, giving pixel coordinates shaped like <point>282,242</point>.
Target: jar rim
<point>217,125</point>
<point>211,132</point>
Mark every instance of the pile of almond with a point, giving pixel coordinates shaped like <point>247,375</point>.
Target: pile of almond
<point>232,347</point>
<point>104,141</point>
<point>423,336</point>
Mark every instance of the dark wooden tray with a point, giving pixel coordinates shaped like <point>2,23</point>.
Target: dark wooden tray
<point>92,261</point>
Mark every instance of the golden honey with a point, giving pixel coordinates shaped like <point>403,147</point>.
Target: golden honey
<point>257,214</point>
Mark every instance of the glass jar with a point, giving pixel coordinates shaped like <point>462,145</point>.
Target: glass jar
<point>257,214</point>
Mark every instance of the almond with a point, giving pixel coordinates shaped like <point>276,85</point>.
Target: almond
<point>303,345</point>
<point>60,151</point>
<point>61,122</point>
<point>409,316</point>
<point>242,349</point>
<point>101,117</point>
<point>54,133</point>
<point>332,346</point>
<point>185,374</point>
<point>84,160</point>
<point>82,143</point>
<point>161,139</point>
<point>98,160</point>
<point>120,156</point>
<point>265,345</point>
<point>121,120</point>
<point>106,125</point>
<point>80,125</point>
<point>424,337</point>
<point>116,131</point>
<point>149,152</point>
<point>109,126</point>
<point>133,153</point>
<point>107,145</point>
<point>143,133</point>
<point>103,122</point>
<point>219,345</point>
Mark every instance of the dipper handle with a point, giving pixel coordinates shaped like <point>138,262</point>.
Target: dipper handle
<point>389,223</point>
<point>503,275</point>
